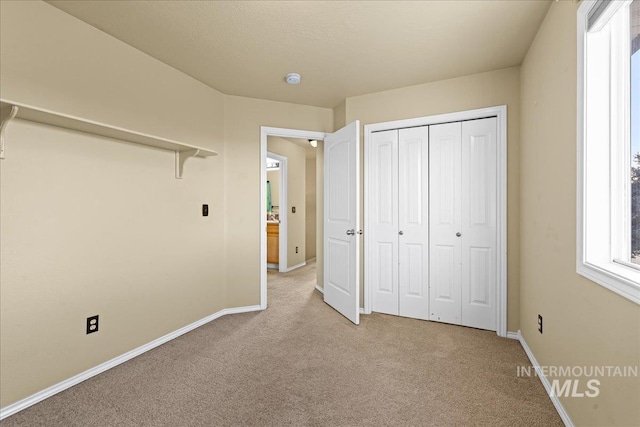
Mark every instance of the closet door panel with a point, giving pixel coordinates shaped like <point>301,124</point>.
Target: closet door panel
<point>413,213</point>
<point>479,223</point>
<point>383,241</point>
<point>445,275</point>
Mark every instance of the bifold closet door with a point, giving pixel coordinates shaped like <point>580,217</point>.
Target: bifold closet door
<point>382,262</point>
<point>413,222</point>
<point>463,223</point>
<point>479,223</point>
<point>398,265</point>
<point>445,275</point>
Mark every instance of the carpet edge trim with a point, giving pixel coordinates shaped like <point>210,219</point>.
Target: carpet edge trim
<point>92,372</point>
<point>545,382</point>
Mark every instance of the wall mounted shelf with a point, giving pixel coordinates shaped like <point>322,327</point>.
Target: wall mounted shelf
<point>10,110</point>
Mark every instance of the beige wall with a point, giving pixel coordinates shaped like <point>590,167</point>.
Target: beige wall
<point>584,324</point>
<point>340,115</point>
<point>243,118</point>
<point>310,208</point>
<point>94,226</point>
<point>113,232</point>
<point>296,175</point>
<point>54,61</point>
<point>463,93</point>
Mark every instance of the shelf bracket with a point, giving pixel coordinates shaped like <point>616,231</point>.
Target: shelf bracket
<point>181,157</point>
<point>7,114</point>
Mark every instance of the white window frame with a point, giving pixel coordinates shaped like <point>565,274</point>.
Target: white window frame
<point>603,146</point>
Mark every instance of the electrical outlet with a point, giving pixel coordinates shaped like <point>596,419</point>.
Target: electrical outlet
<point>92,324</point>
<point>539,323</point>
<point>205,210</point>
<point>296,249</point>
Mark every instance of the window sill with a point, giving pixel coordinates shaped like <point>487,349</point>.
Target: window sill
<point>617,278</point>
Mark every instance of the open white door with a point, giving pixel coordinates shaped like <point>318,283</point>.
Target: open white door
<point>341,221</point>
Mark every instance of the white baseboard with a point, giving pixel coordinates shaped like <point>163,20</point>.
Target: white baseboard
<point>545,382</point>
<point>273,266</point>
<point>286,270</point>
<point>77,379</point>
<point>233,310</point>
<point>513,335</point>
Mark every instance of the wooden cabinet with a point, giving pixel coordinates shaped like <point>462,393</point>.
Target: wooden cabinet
<point>273,243</point>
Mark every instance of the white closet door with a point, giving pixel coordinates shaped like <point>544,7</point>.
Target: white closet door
<point>413,213</point>
<point>479,223</point>
<point>445,222</point>
<point>383,247</point>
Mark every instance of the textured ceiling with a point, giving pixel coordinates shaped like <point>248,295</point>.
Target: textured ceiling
<point>341,48</point>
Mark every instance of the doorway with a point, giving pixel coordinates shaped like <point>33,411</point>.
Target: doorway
<point>289,210</point>
<point>337,262</point>
<point>276,211</point>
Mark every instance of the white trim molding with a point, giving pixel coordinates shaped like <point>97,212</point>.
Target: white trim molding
<point>295,267</point>
<point>77,379</point>
<point>513,335</point>
<point>265,132</point>
<point>500,112</point>
<point>545,382</point>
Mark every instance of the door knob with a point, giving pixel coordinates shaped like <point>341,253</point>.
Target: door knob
<point>458,234</point>
<point>401,232</point>
<point>351,232</point>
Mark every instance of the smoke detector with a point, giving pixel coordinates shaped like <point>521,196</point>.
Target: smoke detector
<point>293,78</point>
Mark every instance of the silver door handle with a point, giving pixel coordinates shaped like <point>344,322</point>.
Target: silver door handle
<point>401,232</point>
<point>351,232</point>
<point>458,234</point>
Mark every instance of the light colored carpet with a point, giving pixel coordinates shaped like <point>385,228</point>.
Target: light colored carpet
<point>301,363</point>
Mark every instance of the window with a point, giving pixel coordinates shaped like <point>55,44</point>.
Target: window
<point>608,234</point>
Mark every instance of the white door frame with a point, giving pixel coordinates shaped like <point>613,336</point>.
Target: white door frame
<point>501,113</point>
<point>265,132</point>
<point>282,212</point>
